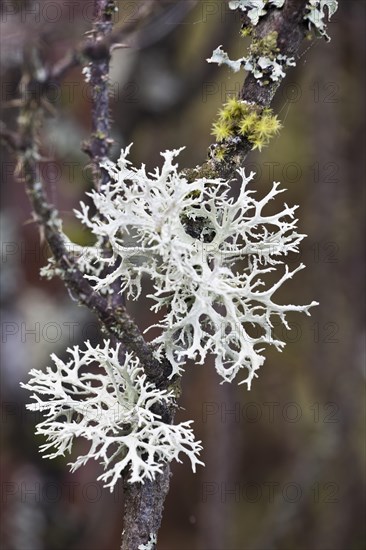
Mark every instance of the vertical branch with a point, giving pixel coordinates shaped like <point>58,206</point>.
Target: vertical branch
<point>100,141</point>
<point>98,50</point>
<point>144,505</point>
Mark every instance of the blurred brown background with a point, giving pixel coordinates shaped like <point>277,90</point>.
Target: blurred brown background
<point>285,461</point>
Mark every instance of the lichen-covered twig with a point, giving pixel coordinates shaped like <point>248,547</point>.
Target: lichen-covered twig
<point>288,23</point>
<point>116,321</point>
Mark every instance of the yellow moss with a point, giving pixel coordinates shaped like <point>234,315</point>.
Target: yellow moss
<point>220,154</point>
<point>222,130</point>
<point>257,142</point>
<point>248,123</point>
<point>246,31</point>
<point>266,46</point>
<point>239,118</point>
<point>267,126</point>
<point>234,108</point>
<point>225,115</point>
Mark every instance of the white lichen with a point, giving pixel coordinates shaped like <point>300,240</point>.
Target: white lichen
<point>209,282</point>
<point>255,9</point>
<point>108,402</point>
<point>265,67</point>
<point>315,15</point>
<point>262,67</point>
<point>150,545</point>
<point>88,259</point>
<point>86,71</point>
<point>220,57</point>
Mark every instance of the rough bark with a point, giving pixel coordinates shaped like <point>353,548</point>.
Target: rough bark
<point>144,505</point>
<point>99,144</point>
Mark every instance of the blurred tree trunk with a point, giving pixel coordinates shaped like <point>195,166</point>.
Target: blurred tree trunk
<point>337,217</point>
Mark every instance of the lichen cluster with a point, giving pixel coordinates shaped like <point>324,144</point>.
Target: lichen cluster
<point>315,13</point>
<point>255,9</point>
<point>108,402</point>
<point>246,120</point>
<point>316,17</point>
<point>265,61</point>
<point>209,284</point>
<point>210,290</point>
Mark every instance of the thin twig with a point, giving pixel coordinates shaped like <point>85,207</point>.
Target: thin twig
<point>98,49</point>
<point>99,144</point>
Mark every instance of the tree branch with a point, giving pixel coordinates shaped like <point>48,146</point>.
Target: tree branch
<point>24,143</point>
<point>142,517</point>
<point>102,39</point>
<point>99,144</point>
<point>288,23</point>
<point>116,321</point>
